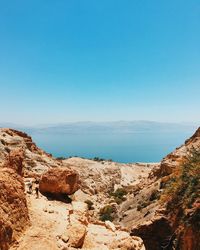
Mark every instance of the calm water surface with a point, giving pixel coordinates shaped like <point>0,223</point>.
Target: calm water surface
<point>134,147</point>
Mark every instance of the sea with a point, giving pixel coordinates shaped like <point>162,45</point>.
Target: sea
<point>119,147</point>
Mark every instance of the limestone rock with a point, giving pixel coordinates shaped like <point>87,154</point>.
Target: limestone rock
<point>79,207</point>
<point>79,213</point>
<point>128,243</point>
<point>59,181</point>
<point>65,237</point>
<point>101,177</point>
<point>79,195</point>
<point>110,225</point>
<point>99,237</point>
<point>35,160</point>
<point>76,235</point>
<point>172,160</point>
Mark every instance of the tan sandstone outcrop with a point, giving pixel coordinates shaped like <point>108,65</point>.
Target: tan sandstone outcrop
<point>172,160</point>
<point>59,181</point>
<point>13,207</point>
<point>35,160</point>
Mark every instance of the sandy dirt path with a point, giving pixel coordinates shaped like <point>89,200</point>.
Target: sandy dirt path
<point>48,220</point>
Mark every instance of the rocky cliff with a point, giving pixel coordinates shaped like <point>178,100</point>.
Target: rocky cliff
<point>172,160</point>
<point>36,161</point>
<point>14,217</point>
<point>181,194</point>
<point>174,224</point>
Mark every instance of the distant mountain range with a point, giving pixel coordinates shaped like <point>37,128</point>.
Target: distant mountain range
<point>106,127</point>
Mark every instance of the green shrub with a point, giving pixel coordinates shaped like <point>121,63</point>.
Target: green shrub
<point>119,195</point>
<point>98,159</point>
<point>90,204</point>
<point>107,213</point>
<point>60,158</point>
<point>155,195</point>
<point>143,204</point>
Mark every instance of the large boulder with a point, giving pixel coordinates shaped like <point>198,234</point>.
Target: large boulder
<point>58,181</point>
<point>13,207</point>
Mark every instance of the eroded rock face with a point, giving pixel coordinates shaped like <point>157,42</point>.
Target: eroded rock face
<point>155,233</point>
<point>14,160</point>
<point>35,160</point>
<point>13,207</point>
<point>172,160</point>
<point>59,181</point>
<point>190,239</point>
<point>166,227</point>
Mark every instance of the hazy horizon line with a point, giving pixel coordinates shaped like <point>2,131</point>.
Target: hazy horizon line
<point>100,121</point>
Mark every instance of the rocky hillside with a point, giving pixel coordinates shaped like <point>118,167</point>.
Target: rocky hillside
<point>20,157</point>
<point>100,176</point>
<point>87,204</point>
<point>172,160</point>
<point>131,195</point>
<point>35,159</point>
<point>181,194</point>
<point>174,222</point>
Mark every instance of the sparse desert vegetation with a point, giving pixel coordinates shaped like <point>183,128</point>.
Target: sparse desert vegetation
<point>182,189</point>
<point>119,195</point>
<point>107,213</point>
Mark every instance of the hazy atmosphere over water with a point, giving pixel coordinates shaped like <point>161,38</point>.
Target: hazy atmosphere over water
<point>120,147</point>
<point>72,61</point>
<point>122,141</point>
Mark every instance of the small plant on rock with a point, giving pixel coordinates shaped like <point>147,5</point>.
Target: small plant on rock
<point>155,195</point>
<point>107,213</point>
<point>143,204</point>
<point>90,204</point>
<point>119,195</point>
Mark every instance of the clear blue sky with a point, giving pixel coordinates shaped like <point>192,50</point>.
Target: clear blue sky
<point>76,60</point>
